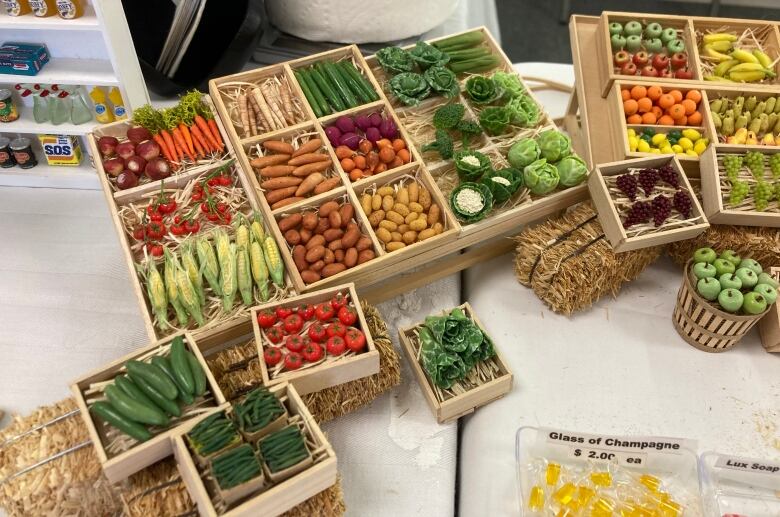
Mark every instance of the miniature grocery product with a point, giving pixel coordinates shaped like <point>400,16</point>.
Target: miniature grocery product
<point>61,149</point>
<point>649,50</point>
<point>8,111</point>
<point>685,142</point>
<point>729,56</point>
<point>746,120</point>
<point>654,104</point>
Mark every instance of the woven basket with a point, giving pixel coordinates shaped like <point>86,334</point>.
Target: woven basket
<point>703,325</point>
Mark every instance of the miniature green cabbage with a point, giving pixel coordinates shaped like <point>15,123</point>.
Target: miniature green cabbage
<point>523,152</point>
<point>510,83</point>
<point>482,90</point>
<point>442,80</point>
<point>523,110</point>
<point>395,60</point>
<point>410,88</point>
<point>541,177</point>
<point>572,170</point>
<point>503,183</point>
<point>554,145</point>
<point>471,165</point>
<point>471,202</point>
<point>426,55</point>
<point>494,119</point>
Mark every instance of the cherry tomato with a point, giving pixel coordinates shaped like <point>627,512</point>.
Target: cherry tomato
<point>306,311</point>
<point>205,208</point>
<point>156,217</point>
<point>212,182</point>
<point>283,312</point>
<point>177,219</point>
<point>177,229</point>
<point>312,352</point>
<point>225,181</point>
<point>197,196</point>
<point>168,206</point>
<point>336,329</point>
<point>336,345</point>
<point>274,334</point>
<point>338,301</point>
<point>221,207</point>
<point>156,250</point>
<point>317,332</point>
<point>293,361</point>
<point>266,318</point>
<point>138,233</point>
<point>227,218</point>
<point>347,315</point>
<point>293,324</point>
<point>192,226</point>
<point>155,230</point>
<point>355,339</point>
<point>294,343</point>
<point>212,217</point>
<point>324,311</point>
<point>152,209</point>
<point>272,356</point>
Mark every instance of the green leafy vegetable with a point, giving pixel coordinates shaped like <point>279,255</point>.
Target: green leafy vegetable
<point>572,170</point>
<point>468,129</point>
<point>554,145</point>
<point>471,165</point>
<point>482,90</point>
<point>395,60</point>
<point>410,88</point>
<point>448,116</point>
<point>510,83</point>
<point>426,55</point>
<point>524,112</point>
<point>471,202</point>
<point>442,80</point>
<point>494,119</point>
<point>443,144</point>
<point>523,152</point>
<point>503,183</point>
<point>541,177</point>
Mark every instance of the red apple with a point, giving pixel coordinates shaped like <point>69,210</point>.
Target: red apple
<point>628,69</point>
<point>641,58</point>
<point>679,60</point>
<point>660,61</point>
<point>113,166</point>
<point>666,73</point>
<point>148,149</point>
<point>136,164</point>
<point>649,71</point>
<point>107,145</point>
<point>683,73</point>
<point>622,57</point>
<point>125,150</point>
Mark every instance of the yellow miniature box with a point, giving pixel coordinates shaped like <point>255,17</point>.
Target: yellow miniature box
<point>61,149</point>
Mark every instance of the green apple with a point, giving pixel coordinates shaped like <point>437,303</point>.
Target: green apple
<point>632,28</point>
<point>767,291</point>
<point>723,266</point>
<point>748,276</point>
<point>730,281</point>
<point>752,265</point>
<point>732,257</point>
<point>730,300</point>
<point>754,303</point>
<point>707,255</point>
<point>709,288</point>
<point>766,278</point>
<point>704,270</point>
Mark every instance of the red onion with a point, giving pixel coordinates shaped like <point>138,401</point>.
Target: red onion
<point>351,140</point>
<point>345,124</point>
<point>334,135</point>
<point>373,134</point>
<point>363,122</point>
<point>375,119</point>
<point>388,129</point>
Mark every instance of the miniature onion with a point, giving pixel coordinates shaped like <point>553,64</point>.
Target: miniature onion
<point>388,129</point>
<point>351,140</point>
<point>334,135</point>
<point>345,124</point>
<point>373,134</point>
<point>375,119</point>
<point>363,122</point>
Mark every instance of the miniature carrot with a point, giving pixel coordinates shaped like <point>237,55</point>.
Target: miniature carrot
<point>185,131</point>
<point>181,144</point>
<point>199,150</point>
<point>163,147</point>
<point>198,135</point>
<point>215,131</point>
<point>168,139</point>
<point>204,127</point>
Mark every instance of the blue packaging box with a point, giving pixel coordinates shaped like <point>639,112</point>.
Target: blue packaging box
<point>22,58</point>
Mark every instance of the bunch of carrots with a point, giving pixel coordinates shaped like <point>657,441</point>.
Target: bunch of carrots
<point>186,131</point>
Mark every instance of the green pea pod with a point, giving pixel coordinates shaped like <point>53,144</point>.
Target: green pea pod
<point>169,406</point>
<point>180,365</point>
<point>133,409</point>
<point>107,412</point>
<point>155,376</point>
<point>164,364</point>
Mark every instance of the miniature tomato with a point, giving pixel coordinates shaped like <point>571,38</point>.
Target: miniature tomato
<point>312,352</point>
<point>274,334</point>
<point>336,329</point>
<point>347,315</point>
<point>293,324</point>
<point>138,233</point>
<point>272,356</point>
<point>266,318</point>
<point>306,311</point>
<point>324,311</point>
<point>338,301</point>
<point>293,361</point>
<point>355,339</point>
<point>294,343</point>
<point>283,312</point>
<point>336,345</point>
<point>317,332</point>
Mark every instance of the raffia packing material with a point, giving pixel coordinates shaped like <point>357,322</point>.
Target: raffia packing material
<point>759,243</point>
<point>570,265</point>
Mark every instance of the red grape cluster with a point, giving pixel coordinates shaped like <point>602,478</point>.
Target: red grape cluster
<point>682,203</point>
<point>668,175</point>
<point>647,180</point>
<point>662,209</point>
<point>640,212</point>
<point>627,184</point>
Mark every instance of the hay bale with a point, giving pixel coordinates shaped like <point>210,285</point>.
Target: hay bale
<point>760,243</point>
<point>156,490</point>
<point>328,503</point>
<point>570,264</point>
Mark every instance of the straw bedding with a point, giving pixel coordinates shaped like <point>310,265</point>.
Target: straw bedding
<point>760,243</point>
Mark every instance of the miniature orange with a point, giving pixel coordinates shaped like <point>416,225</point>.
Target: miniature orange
<point>648,118</point>
<point>694,95</point>
<point>666,101</point>
<point>654,92</point>
<point>644,105</point>
<point>630,107</point>
<point>682,121</point>
<point>625,94</point>
<point>636,118</point>
<point>666,120</point>
<point>694,119</point>
<point>677,94</point>
<point>638,92</point>
<point>689,106</point>
<point>676,111</point>
<point>657,111</point>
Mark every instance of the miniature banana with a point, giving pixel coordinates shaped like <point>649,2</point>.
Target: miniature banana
<point>724,66</point>
<point>717,56</point>
<point>744,56</point>
<point>717,79</point>
<point>720,45</point>
<point>764,59</point>
<point>718,36</point>
<point>748,77</point>
<point>747,67</point>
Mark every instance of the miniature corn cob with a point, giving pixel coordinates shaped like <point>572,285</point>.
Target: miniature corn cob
<point>242,236</point>
<point>226,255</point>
<point>187,295</point>
<point>274,261</point>
<point>208,263</point>
<point>155,289</point>
<point>193,271</point>
<point>257,227</point>
<point>244,275</point>
<point>260,269</point>
<point>173,292</point>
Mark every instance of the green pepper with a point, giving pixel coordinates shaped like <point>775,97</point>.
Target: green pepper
<point>676,45</point>
<point>675,133</point>
<point>618,42</point>
<point>653,45</point>
<point>648,131</point>
<point>672,140</point>
<point>647,138</point>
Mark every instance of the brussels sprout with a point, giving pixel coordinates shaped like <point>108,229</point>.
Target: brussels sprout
<point>503,183</point>
<point>427,55</point>
<point>554,145</point>
<point>494,119</point>
<point>471,202</point>
<point>572,170</point>
<point>510,83</point>
<point>471,165</point>
<point>395,60</point>
<point>410,88</point>
<point>541,177</point>
<point>523,152</point>
<point>482,90</point>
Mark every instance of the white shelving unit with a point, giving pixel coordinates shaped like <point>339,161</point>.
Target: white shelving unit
<point>93,50</point>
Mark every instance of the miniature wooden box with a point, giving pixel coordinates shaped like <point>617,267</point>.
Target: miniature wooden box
<point>118,466</point>
<point>273,500</point>
<point>611,221</point>
<point>328,373</point>
<point>456,406</point>
<point>769,325</point>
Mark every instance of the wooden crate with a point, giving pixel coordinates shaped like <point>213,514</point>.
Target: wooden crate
<point>611,221</point>
<point>327,374</point>
<point>619,122</point>
<point>464,404</point>
<point>119,466</point>
<point>730,92</point>
<point>715,207</point>
<point>769,326</point>
<point>704,326</point>
<point>278,498</point>
<point>604,54</point>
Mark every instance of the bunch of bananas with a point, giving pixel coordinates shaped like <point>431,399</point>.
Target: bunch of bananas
<point>735,64</point>
<point>746,120</point>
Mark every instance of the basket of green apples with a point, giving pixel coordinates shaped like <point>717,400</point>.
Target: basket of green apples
<point>721,298</point>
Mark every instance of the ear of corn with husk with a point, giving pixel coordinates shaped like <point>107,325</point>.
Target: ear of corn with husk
<point>171,288</point>
<point>188,297</point>
<point>208,263</point>
<point>226,255</point>
<point>242,235</point>
<point>244,275</point>
<point>257,228</point>
<point>259,268</point>
<point>193,270</point>
<point>273,260</point>
<point>158,297</point>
